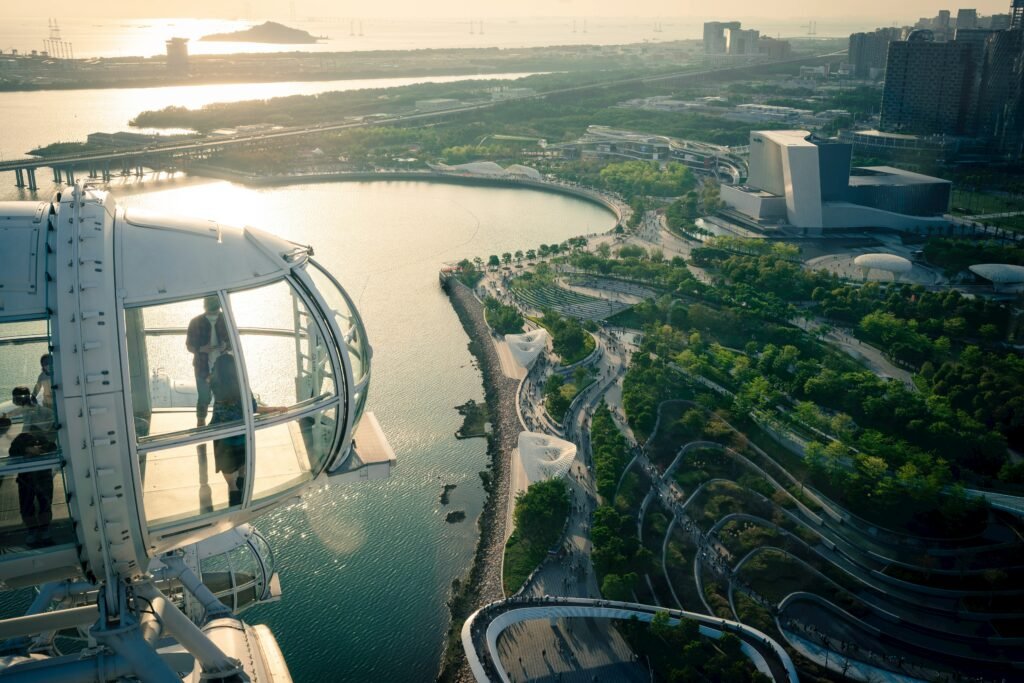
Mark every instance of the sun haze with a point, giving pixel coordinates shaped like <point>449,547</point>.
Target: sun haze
<point>884,10</point>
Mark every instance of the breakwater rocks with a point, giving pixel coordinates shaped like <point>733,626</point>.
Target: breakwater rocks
<point>448,488</point>
<point>482,584</point>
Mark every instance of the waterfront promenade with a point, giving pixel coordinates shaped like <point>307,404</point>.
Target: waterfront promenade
<point>483,584</point>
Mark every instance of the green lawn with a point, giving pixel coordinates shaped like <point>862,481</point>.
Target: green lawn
<point>520,559</point>
<point>967,203</point>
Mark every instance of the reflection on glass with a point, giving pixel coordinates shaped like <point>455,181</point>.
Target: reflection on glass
<point>291,453</point>
<point>33,511</point>
<point>26,388</point>
<point>172,349</point>
<point>285,355</point>
<point>186,481</point>
<point>235,577</point>
<point>348,322</point>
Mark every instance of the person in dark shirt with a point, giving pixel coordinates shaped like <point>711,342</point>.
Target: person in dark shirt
<point>229,452</point>
<point>206,339</point>
<point>35,489</point>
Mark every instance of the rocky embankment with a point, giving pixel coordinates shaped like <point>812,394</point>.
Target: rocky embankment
<point>483,582</point>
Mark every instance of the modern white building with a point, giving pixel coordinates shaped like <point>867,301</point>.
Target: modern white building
<point>806,182</point>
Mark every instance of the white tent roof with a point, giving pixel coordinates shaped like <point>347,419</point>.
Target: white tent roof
<point>1000,273</point>
<point>526,347</point>
<point>519,169</point>
<point>888,262</point>
<point>545,457</point>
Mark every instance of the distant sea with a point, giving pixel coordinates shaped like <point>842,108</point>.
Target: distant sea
<point>124,37</point>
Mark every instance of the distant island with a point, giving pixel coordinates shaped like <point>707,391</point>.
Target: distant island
<point>268,32</point>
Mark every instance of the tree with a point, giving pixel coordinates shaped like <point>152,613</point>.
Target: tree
<point>493,261</point>
<point>531,254</point>
<point>519,255</point>
<point>503,319</point>
<point>615,587</point>
<point>540,512</point>
<point>660,626</point>
<point>506,258</point>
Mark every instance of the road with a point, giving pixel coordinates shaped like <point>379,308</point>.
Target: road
<point>400,119</point>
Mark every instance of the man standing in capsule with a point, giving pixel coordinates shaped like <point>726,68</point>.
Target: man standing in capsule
<point>206,339</point>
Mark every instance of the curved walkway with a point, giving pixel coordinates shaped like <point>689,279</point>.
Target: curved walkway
<point>755,645</point>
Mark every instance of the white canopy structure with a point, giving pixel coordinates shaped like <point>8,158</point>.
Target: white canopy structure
<point>489,169</point>
<point>525,348</point>
<point>889,263</point>
<point>545,457</point>
<point>525,171</point>
<point>1000,273</point>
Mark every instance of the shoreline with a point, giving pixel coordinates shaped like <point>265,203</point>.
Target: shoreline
<point>482,582</point>
<point>254,180</point>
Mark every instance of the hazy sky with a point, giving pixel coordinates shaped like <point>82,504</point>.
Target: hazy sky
<point>885,11</point>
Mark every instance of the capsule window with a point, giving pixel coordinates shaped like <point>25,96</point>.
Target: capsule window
<point>286,356</point>
<point>33,511</point>
<point>185,481</point>
<point>349,323</point>
<point>28,418</point>
<point>178,353</point>
<point>292,453</point>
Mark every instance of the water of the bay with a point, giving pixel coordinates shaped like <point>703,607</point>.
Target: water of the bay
<point>37,118</point>
<point>366,568</point>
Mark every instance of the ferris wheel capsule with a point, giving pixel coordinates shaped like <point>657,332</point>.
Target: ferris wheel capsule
<point>164,380</point>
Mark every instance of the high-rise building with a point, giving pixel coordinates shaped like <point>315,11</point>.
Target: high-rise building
<point>741,42</point>
<point>967,19</point>
<point>1017,14</point>
<point>177,55</point>
<point>976,40</point>
<point>868,51</point>
<point>999,22</point>
<point>1000,96</point>
<point>714,36</point>
<point>774,49</point>
<point>927,86</point>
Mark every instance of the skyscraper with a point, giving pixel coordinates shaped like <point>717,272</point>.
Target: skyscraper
<point>868,51</point>
<point>1000,99</point>
<point>741,42</point>
<point>976,41</point>
<point>966,19</point>
<point>1017,14</point>
<point>928,85</point>
<point>714,36</point>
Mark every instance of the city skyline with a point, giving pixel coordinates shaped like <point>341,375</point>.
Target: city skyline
<point>745,10</point>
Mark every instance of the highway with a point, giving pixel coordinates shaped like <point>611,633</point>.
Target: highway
<point>401,119</point>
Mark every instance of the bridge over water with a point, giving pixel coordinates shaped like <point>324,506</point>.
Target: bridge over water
<point>175,155</point>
